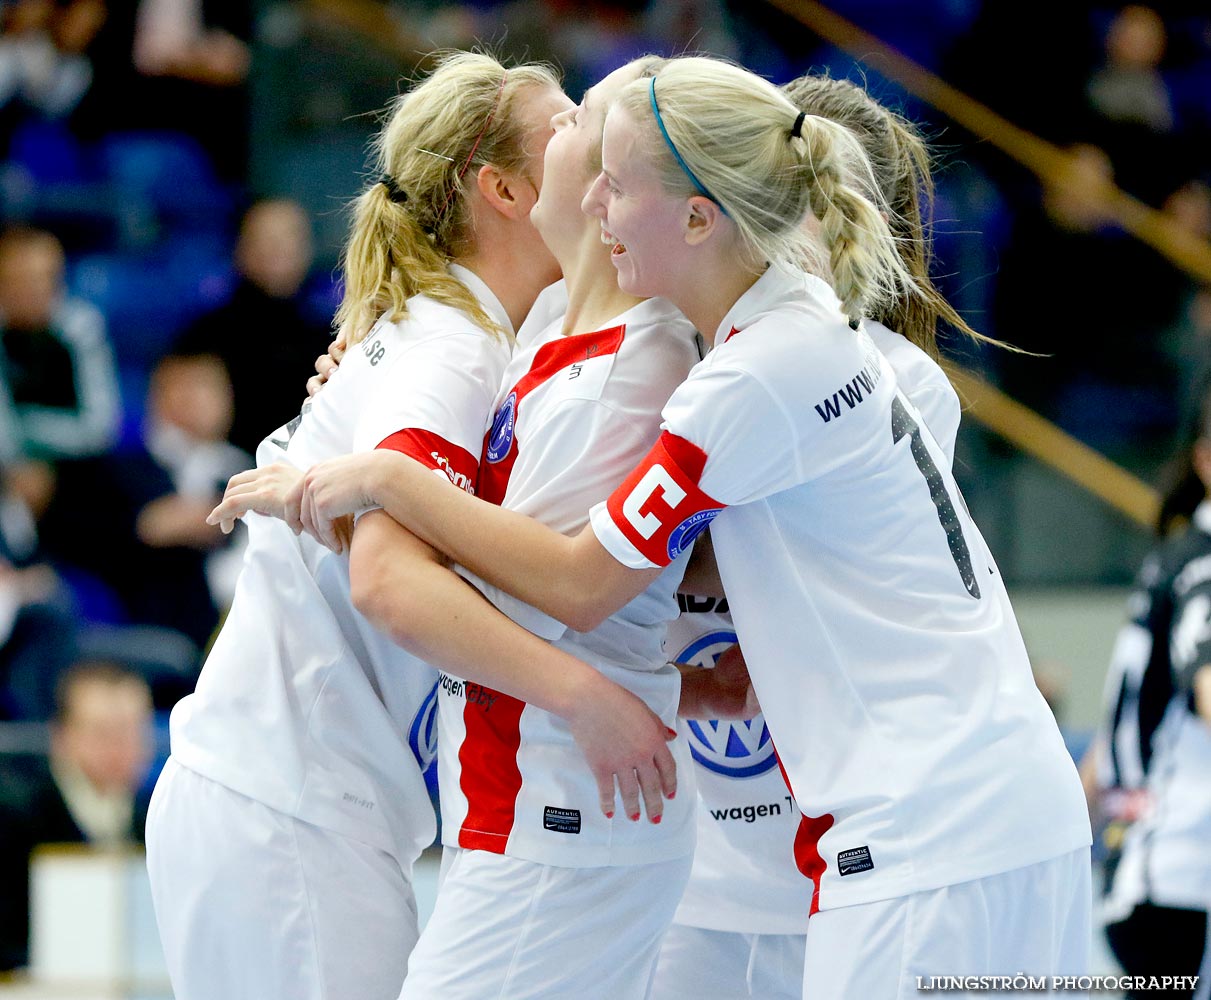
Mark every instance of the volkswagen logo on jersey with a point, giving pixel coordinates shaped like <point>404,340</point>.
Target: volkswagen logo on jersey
<point>733,749</point>
<point>682,536</point>
<point>500,440</point>
<point>422,734</point>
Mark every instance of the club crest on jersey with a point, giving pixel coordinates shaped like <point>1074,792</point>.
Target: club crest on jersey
<point>422,734</point>
<point>734,749</point>
<point>682,536</point>
<point>501,438</point>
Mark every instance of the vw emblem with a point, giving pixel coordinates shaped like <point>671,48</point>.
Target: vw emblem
<point>735,749</point>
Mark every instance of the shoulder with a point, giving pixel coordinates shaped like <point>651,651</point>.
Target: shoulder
<point>915,370</point>
<point>432,326</point>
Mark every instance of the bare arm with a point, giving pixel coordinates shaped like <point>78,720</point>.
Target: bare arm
<point>573,579</point>
<point>406,589</point>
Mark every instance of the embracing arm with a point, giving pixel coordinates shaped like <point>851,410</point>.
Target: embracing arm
<point>405,589</point>
<point>573,579</point>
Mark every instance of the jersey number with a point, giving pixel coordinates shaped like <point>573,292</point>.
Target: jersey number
<point>902,423</point>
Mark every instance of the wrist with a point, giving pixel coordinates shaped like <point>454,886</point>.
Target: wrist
<point>378,477</point>
<point>581,688</point>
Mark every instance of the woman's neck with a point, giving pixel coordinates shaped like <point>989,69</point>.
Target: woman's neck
<point>708,294</point>
<point>594,298</point>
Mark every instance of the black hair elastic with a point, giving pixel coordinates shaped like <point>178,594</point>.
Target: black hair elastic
<point>396,193</point>
<point>795,129</point>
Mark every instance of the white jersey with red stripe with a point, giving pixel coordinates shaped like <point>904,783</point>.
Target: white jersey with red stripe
<point>573,416</point>
<point>744,877</point>
<point>302,704</point>
<point>913,737</point>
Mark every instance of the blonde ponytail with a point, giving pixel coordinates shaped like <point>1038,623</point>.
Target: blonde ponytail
<point>902,173</point>
<point>413,219</point>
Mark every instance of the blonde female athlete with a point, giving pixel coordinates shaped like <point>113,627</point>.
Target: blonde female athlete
<point>740,929</point>
<point>283,832</point>
<point>526,842</point>
<point>942,822</point>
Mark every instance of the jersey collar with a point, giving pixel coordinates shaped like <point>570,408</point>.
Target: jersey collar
<point>487,298</point>
<point>776,287</point>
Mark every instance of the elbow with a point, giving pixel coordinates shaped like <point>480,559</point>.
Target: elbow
<point>383,602</point>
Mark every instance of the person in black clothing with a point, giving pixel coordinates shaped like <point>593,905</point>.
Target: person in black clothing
<point>1154,752</point>
<point>264,335</point>
<point>86,792</point>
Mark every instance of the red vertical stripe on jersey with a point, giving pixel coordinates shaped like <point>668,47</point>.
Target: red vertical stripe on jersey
<point>660,496</point>
<point>807,851</point>
<point>488,773</point>
<point>807,843</point>
<point>549,361</point>
<point>487,766</point>
<point>434,451</point>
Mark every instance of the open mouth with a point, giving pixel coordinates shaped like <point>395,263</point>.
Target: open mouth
<point>617,249</point>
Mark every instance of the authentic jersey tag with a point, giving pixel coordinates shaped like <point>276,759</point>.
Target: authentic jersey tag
<point>856,859</point>
<point>561,820</point>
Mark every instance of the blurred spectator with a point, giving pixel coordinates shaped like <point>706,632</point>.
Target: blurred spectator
<point>137,520</point>
<point>56,364</point>
<point>44,69</point>
<point>87,792</point>
<point>1130,107</point>
<point>1095,303</point>
<point>1129,87</point>
<point>37,621</point>
<point>189,416</point>
<point>264,335</point>
<point>177,66</point>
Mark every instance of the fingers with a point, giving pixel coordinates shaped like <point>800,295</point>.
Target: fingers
<point>651,787</point>
<point>236,502</point>
<point>605,791</point>
<point>666,767</point>
<point>336,349</point>
<point>315,384</point>
<point>628,790</point>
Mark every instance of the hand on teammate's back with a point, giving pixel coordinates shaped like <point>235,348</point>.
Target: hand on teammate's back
<point>623,740</point>
<point>722,692</point>
<point>325,365</point>
<point>275,491</point>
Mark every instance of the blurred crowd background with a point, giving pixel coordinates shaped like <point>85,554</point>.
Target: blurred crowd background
<point>173,175</point>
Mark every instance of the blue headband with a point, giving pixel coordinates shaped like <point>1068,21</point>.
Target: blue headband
<point>676,155</point>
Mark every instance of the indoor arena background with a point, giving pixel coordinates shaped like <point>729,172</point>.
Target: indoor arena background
<point>173,177</point>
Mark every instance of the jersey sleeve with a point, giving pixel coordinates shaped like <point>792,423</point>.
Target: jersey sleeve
<point>726,441</point>
<point>432,403</point>
<point>939,407</point>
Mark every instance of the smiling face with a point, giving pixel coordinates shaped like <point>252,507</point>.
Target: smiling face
<point>643,223</point>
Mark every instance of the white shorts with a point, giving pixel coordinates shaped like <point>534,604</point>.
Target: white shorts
<point>1034,920</point>
<point>253,904</point>
<point>506,929</point>
<point>700,964</point>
